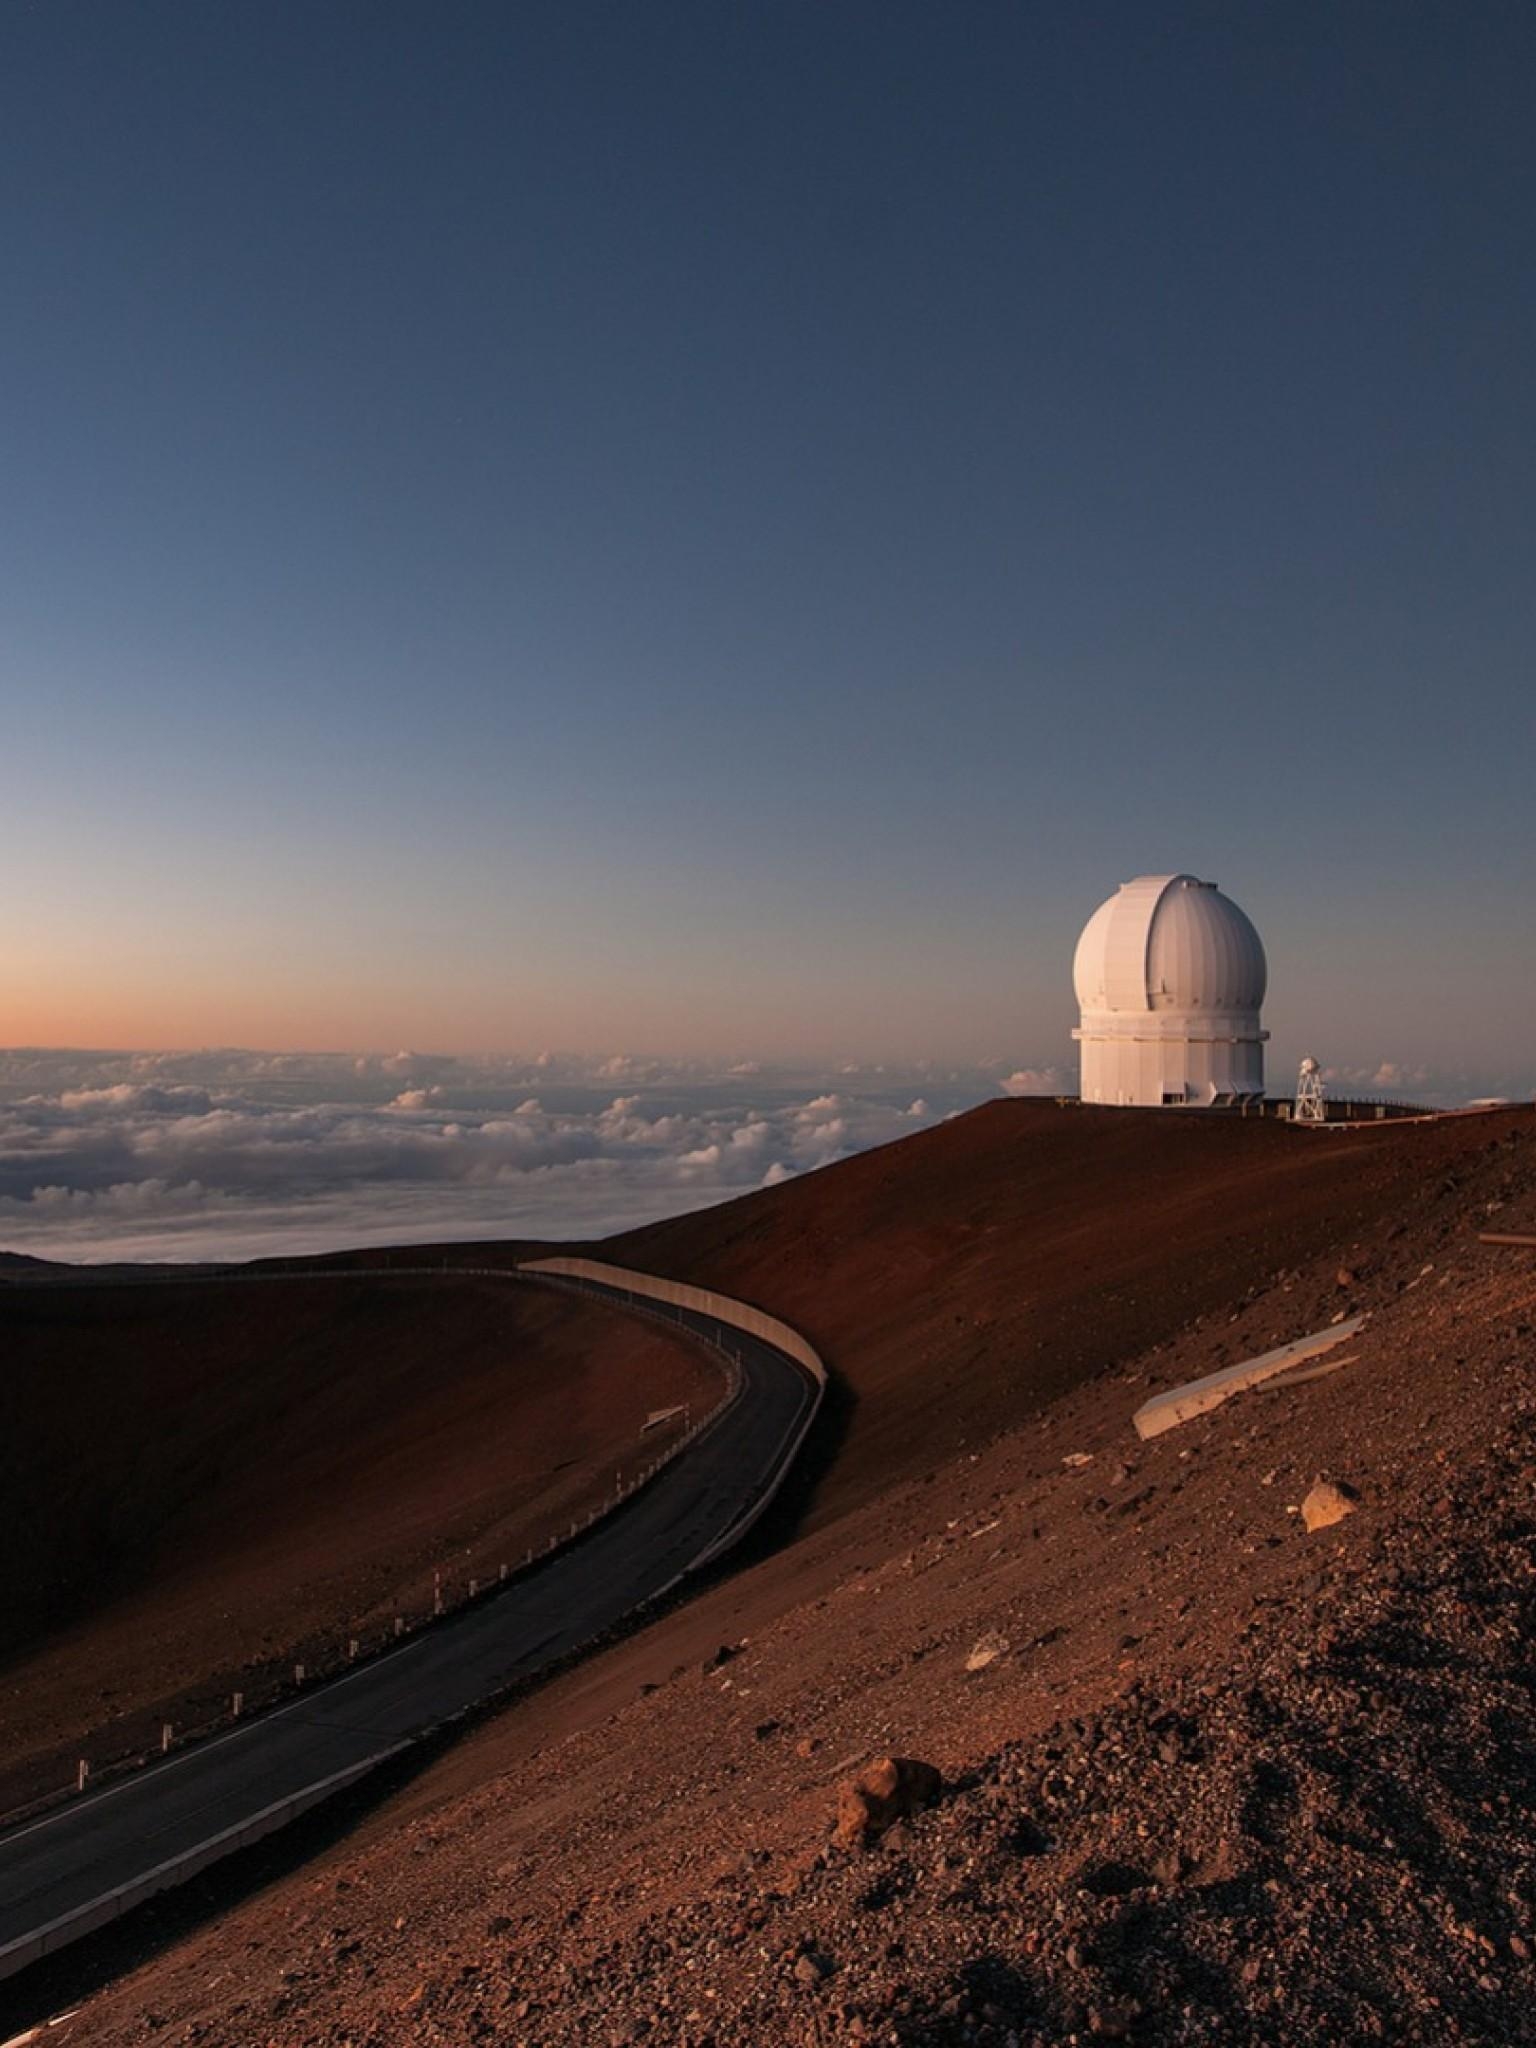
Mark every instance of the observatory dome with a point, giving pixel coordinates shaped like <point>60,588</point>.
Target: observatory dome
<point>1170,977</point>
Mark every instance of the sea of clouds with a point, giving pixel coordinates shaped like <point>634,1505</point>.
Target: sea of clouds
<point>233,1155</point>
<point>236,1155</point>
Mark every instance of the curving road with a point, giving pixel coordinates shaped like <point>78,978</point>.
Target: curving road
<point>87,1862</point>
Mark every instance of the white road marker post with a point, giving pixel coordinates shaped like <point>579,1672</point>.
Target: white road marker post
<point>437,1592</point>
<point>167,1735</point>
<point>82,1774</point>
<point>236,1705</point>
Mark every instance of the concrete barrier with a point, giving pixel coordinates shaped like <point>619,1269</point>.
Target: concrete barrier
<point>111,1905</point>
<point>1198,1397</point>
<point>729,1313</point>
<point>723,1307</point>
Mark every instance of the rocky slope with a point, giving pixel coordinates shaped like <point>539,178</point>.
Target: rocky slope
<point>1206,1774</point>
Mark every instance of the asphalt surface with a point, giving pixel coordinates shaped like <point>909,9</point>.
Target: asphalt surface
<point>61,1865</point>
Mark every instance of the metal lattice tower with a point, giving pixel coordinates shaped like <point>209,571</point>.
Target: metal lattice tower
<point>1310,1098</point>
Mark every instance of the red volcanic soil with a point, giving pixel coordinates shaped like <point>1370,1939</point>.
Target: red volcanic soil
<point>207,1481</point>
<point>1207,1775</point>
<point>960,1279</point>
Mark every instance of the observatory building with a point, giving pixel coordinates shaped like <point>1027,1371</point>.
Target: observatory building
<point>1170,975</point>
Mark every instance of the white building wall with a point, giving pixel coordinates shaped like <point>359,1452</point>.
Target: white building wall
<point>1211,1060</point>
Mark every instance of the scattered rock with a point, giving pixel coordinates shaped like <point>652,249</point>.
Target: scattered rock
<point>1328,1502</point>
<point>986,1650</point>
<point>1075,1460</point>
<point>890,1789</point>
<point>1219,1865</point>
<point>1114,2022</point>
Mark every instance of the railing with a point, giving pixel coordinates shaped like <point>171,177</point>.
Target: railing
<point>1361,1109</point>
<point>1336,1109</point>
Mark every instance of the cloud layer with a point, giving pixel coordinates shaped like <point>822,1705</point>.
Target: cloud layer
<point>239,1154</point>
<point>232,1155</point>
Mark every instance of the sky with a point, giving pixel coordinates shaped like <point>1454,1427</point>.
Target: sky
<point>723,531</point>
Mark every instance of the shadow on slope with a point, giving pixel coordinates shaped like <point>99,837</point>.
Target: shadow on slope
<point>207,1479</point>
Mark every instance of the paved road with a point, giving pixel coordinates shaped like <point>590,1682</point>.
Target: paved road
<point>56,1872</point>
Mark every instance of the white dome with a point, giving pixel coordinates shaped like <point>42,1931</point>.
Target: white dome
<point>1169,943</point>
<point>1170,976</point>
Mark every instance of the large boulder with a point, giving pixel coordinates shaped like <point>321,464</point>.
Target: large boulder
<point>884,1792</point>
<point>1328,1502</point>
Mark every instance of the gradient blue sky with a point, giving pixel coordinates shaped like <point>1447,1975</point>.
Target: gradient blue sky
<point>732,527</point>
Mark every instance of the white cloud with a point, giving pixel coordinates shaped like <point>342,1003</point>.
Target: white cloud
<point>415,1098</point>
<point>418,1066</point>
<point>223,1155</point>
<point>233,1154</point>
<point>1382,1074</point>
<point>1393,1074</point>
<point>128,1095</point>
<point>1033,1081</point>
